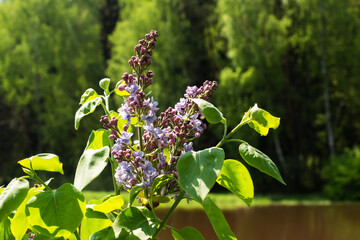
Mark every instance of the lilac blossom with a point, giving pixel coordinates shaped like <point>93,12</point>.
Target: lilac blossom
<point>124,112</point>
<point>124,175</point>
<point>132,89</point>
<point>187,148</point>
<point>149,173</point>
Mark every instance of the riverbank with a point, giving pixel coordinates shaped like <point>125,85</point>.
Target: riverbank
<point>229,201</point>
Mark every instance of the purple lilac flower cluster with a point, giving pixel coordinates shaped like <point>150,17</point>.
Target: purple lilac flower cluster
<point>162,139</point>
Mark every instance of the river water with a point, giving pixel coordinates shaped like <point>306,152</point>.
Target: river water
<point>279,222</point>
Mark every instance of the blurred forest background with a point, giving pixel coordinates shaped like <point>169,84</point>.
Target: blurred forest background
<point>298,59</point>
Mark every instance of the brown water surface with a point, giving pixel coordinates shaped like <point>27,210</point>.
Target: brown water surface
<point>300,222</point>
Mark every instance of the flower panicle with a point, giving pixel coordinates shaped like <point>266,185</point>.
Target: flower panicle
<point>165,137</point>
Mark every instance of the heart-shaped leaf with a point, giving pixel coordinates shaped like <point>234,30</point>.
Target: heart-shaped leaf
<point>132,221</point>
<point>93,222</point>
<point>198,171</point>
<point>56,213</point>
<point>19,223</point>
<point>235,177</point>
<point>104,84</point>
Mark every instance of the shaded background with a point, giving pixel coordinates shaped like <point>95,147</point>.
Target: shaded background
<point>298,59</point>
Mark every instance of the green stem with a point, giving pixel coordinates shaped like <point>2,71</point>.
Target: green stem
<point>112,159</point>
<point>116,188</point>
<point>77,235</point>
<point>234,140</point>
<point>105,109</point>
<point>163,222</point>
<point>35,177</point>
<point>140,138</point>
<point>226,138</point>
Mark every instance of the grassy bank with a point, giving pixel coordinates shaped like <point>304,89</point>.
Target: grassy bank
<point>230,201</point>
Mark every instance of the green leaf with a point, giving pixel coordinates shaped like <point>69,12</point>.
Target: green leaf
<point>261,120</point>
<point>111,204</point>
<point>43,161</point>
<point>186,233</point>
<point>131,220</point>
<point>98,139</point>
<point>260,161</point>
<point>94,158</point>
<point>56,213</point>
<point>91,164</point>
<point>235,177</point>
<point>87,108</point>
<point>211,113</point>
<point>104,84</point>
<point>12,196</point>
<point>121,93</point>
<point>133,194</point>
<point>88,95</point>
<point>104,234</point>
<point>217,219</point>
<point>5,232</point>
<point>198,171</point>
<point>93,222</point>
<point>160,181</point>
<point>19,223</point>
<point>121,123</point>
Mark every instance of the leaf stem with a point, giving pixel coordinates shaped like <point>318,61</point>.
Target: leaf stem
<point>170,212</point>
<point>35,177</point>
<point>140,138</point>
<point>226,138</point>
<point>77,235</point>
<point>112,159</point>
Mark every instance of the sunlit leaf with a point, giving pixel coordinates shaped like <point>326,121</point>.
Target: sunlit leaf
<point>56,213</point>
<point>121,93</point>
<point>91,164</point>
<point>43,161</point>
<point>19,223</point>
<point>88,95</point>
<point>12,196</point>
<point>5,232</point>
<point>111,204</point>
<point>104,234</point>
<point>211,113</point>
<point>260,161</point>
<point>198,171</point>
<point>98,139</point>
<point>261,120</point>
<point>133,193</point>
<point>93,222</point>
<point>87,108</point>
<point>235,177</point>
<point>186,233</point>
<point>217,219</point>
<point>104,84</point>
<point>132,221</point>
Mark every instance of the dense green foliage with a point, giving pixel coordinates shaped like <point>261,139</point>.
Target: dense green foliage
<point>342,175</point>
<point>298,59</point>
<point>49,50</point>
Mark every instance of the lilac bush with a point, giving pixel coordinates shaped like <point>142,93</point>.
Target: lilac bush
<point>151,157</point>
